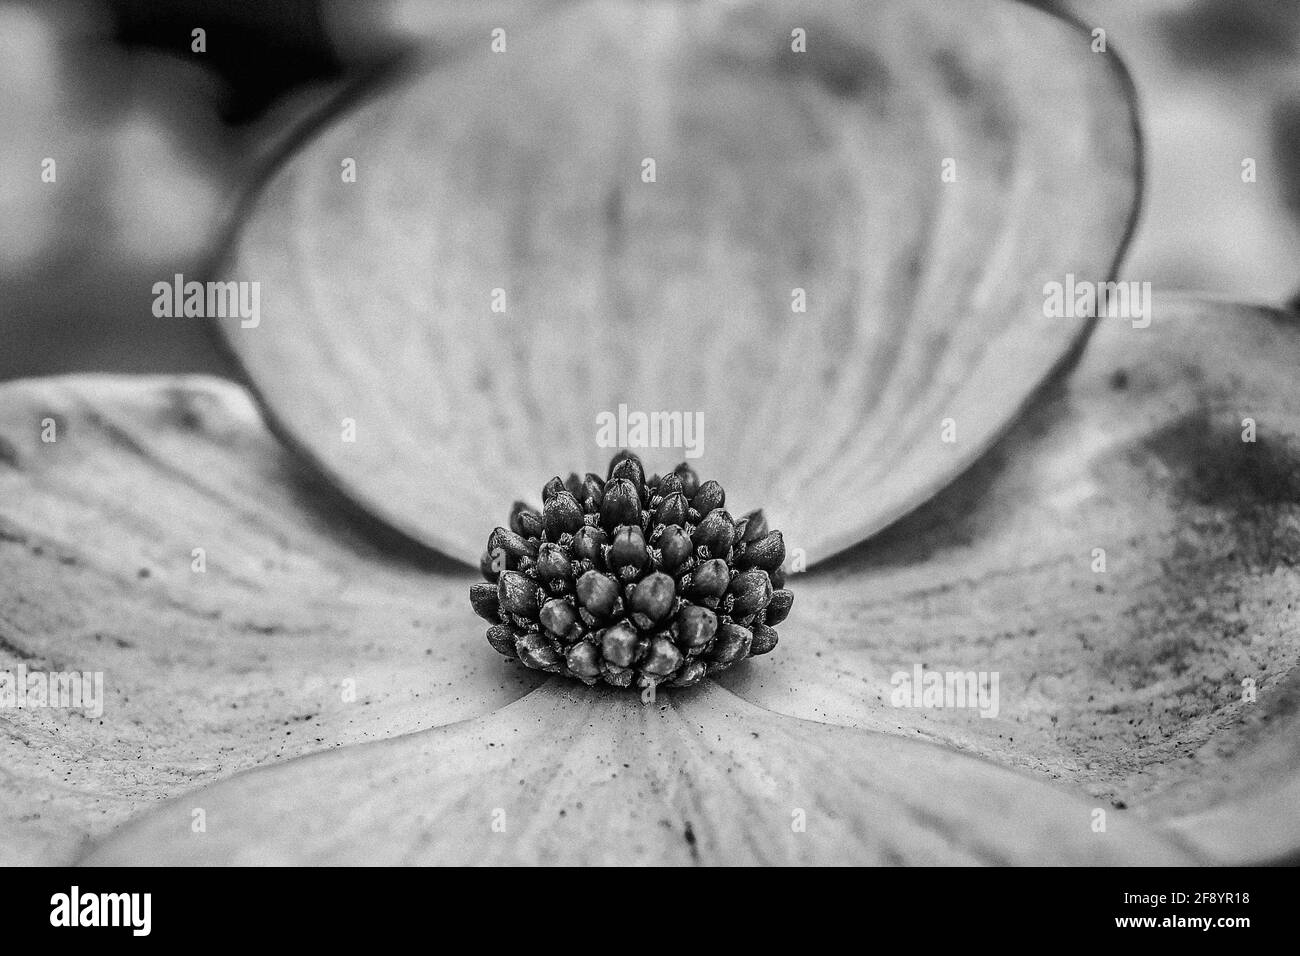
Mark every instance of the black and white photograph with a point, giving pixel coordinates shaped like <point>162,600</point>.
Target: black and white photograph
<point>604,433</point>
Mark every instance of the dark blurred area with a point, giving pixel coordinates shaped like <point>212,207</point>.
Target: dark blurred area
<point>260,50</point>
<point>153,141</point>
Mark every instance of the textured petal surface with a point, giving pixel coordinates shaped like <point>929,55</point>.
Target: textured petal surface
<point>518,179</point>
<point>571,776</point>
<point>296,637</point>
<point>1131,683</point>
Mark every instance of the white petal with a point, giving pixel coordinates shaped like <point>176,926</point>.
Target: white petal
<point>1129,683</point>
<point>517,178</point>
<point>298,636</point>
<point>572,776</point>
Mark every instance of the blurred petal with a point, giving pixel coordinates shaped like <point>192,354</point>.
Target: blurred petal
<point>1130,683</point>
<point>365,30</point>
<point>1214,215</point>
<point>917,174</point>
<point>296,637</point>
<point>571,776</point>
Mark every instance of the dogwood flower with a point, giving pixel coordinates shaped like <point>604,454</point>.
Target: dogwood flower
<point>1049,614</point>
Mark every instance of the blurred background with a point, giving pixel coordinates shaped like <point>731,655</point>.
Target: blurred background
<point>154,141</point>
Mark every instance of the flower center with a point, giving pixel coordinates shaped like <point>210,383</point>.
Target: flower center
<point>633,580</point>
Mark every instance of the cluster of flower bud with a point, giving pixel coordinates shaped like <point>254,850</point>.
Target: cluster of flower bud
<point>633,581</point>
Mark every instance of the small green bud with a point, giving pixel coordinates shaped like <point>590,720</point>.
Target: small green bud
<point>588,543</point>
<point>620,457</point>
<point>621,504</point>
<point>628,549</point>
<point>691,674</point>
<point>752,591</point>
<point>618,645</point>
<point>524,521</point>
<point>662,657</point>
<point>558,617</point>
<point>670,485</point>
<point>764,639</point>
<point>552,563</point>
<point>512,544</point>
<point>755,525</point>
<point>562,515</point>
<point>597,593</point>
<point>517,594</point>
<point>695,626</point>
<point>583,659</point>
<point>674,547</point>
<point>779,607</point>
<point>592,492</point>
<point>711,579</point>
<point>709,497</point>
<point>672,510</point>
<point>631,470</point>
<point>502,639</point>
<point>483,598</point>
<point>536,652</point>
<point>651,599</point>
<point>690,480</point>
<point>767,552</point>
<point>731,644</point>
<point>715,533</point>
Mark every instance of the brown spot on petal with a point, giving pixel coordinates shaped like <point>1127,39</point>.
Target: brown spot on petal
<point>955,76</point>
<point>1215,467</point>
